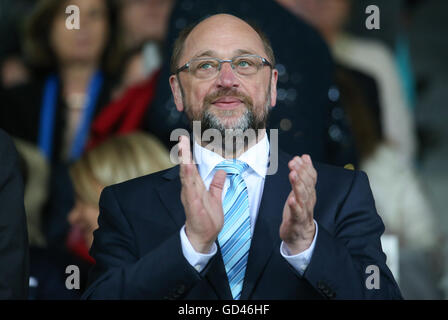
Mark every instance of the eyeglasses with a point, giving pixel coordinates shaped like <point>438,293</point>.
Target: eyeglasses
<point>205,68</point>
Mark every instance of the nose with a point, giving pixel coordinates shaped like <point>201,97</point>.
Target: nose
<point>227,77</point>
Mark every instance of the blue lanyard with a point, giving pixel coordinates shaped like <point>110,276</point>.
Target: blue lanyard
<point>47,115</point>
<point>48,111</point>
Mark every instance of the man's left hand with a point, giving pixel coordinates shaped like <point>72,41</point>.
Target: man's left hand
<point>297,229</point>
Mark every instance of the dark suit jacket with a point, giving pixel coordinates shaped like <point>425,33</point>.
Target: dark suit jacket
<point>138,250</point>
<point>14,257</point>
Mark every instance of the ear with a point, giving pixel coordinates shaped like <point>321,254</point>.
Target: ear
<point>274,78</point>
<point>177,92</point>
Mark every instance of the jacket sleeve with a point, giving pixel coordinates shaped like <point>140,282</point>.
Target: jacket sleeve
<point>348,263</point>
<point>14,254</point>
<point>120,273</point>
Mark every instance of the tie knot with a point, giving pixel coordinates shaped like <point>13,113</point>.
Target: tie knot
<point>232,166</point>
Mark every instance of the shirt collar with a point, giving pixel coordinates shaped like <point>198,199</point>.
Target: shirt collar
<point>256,157</point>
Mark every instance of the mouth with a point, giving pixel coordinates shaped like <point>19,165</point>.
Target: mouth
<point>227,103</point>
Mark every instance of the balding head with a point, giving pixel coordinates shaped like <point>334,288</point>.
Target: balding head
<point>232,97</point>
<point>215,29</point>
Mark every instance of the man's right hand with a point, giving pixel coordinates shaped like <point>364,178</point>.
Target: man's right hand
<point>203,209</point>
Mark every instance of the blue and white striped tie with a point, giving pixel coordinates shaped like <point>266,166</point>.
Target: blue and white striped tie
<point>234,238</point>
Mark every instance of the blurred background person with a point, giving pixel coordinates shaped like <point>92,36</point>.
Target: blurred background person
<point>14,257</point>
<point>427,27</point>
<point>412,240</point>
<point>142,26</point>
<point>13,69</point>
<point>69,67</point>
<point>370,57</point>
<point>47,263</point>
<point>35,172</point>
<point>73,74</point>
<point>372,94</point>
<point>117,159</point>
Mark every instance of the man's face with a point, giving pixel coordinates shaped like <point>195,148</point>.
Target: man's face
<point>228,100</point>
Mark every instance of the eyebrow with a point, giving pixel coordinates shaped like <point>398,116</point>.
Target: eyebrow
<point>208,53</point>
<point>243,51</point>
<point>211,53</point>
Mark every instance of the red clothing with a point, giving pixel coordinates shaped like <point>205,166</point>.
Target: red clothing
<point>124,114</point>
<point>75,243</point>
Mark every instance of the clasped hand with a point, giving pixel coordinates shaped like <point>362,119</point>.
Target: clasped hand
<point>204,212</point>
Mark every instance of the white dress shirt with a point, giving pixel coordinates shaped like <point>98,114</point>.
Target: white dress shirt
<point>257,159</point>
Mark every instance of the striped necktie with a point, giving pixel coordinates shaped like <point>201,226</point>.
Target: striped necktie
<point>234,238</point>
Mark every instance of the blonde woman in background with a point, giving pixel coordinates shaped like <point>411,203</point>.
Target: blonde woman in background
<point>118,159</point>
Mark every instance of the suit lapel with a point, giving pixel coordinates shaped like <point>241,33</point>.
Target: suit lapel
<point>215,272</point>
<point>266,235</point>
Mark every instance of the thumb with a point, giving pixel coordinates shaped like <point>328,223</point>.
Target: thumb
<point>217,184</point>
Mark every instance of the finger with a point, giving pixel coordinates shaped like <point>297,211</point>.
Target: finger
<point>309,166</point>
<point>300,206</point>
<point>300,167</point>
<point>184,157</point>
<point>306,178</point>
<point>298,164</point>
<point>186,173</point>
<point>182,173</point>
<point>306,195</point>
<point>192,184</point>
<point>305,170</point>
<point>298,188</point>
<point>188,188</point>
<point>308,174</point>
<point>295,163</point>
<point>307,158</point>
<point>184,150</point>
<point>294,207</point>
<point>189,173</point>
<point>217,184</point>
